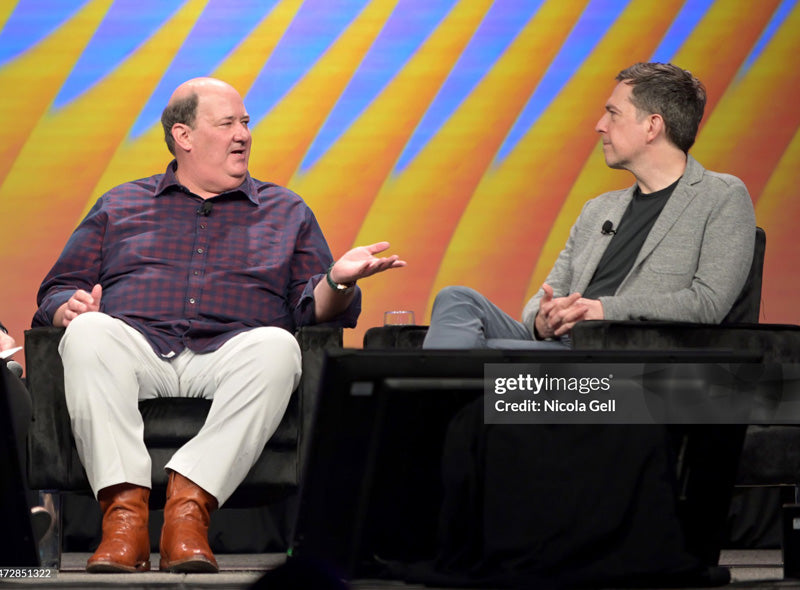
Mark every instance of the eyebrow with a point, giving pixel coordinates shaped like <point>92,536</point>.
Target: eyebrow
<point>234,118</point>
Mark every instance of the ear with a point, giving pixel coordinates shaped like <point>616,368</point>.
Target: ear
<point>181,133</point>
<point>655,126</point>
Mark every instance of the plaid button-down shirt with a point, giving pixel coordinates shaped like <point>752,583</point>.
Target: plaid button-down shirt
<point>188,280</point>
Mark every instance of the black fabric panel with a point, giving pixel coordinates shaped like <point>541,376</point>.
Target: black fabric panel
<point>555,505</point>
<point>395,337</point>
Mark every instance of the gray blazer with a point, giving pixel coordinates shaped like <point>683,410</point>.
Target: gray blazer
<point>692,265</point>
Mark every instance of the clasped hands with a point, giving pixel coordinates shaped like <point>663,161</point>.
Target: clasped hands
<point>557,315</point>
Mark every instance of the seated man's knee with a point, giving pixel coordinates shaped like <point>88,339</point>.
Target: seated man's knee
<point>455,294</point>
<point>86,331</point>
<point>275,344</point>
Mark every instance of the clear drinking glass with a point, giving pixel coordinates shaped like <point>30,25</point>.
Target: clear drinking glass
<point>398,318</point>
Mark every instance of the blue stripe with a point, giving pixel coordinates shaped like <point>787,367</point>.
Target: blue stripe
<point>31,22</point>
<point>501,26</point>
<point>316,26</point>
<point>406,29</point>
<point>587,33</point>
<point>125,27</point>
<point>682,27</point>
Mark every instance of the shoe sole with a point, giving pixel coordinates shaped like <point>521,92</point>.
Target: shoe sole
<point>110,567</point>
<point>193,565</point>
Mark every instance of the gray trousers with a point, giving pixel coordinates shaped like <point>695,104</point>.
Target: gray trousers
<point>462,318</point>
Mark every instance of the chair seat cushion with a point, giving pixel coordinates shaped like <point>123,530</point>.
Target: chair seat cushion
<point>170,421</point>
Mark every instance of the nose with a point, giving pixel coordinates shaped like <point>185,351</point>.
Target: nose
<point>242,133</point>
<point>600,126</point>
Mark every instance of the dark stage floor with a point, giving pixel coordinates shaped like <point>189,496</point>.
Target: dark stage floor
<point>750,569</point>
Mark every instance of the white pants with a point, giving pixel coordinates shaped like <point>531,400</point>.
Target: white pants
<point>109,367</point>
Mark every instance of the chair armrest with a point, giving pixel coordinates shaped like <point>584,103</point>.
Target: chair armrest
<point>395,337</point>
<point>315,342</point>
<point>50,440</point>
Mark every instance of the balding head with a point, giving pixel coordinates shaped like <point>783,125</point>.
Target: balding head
<point>182,105</point>
<point>206,129</point>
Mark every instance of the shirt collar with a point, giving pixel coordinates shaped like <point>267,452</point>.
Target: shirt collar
<point>169,181</point>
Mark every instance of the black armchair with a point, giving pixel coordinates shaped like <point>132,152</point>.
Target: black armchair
<point>53,462</point>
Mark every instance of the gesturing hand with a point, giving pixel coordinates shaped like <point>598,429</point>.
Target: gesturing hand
<point>361,262</point>
<point>79,303</point>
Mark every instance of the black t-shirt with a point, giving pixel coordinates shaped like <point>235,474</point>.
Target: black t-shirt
<point>633,230</point>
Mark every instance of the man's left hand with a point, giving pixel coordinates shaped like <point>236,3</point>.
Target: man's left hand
<point>6,341</point>
<point>594,309</point>
<point>361,262</point>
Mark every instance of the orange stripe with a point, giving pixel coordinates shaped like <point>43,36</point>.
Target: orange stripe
<point>778,211</point>
<point>721,42</point>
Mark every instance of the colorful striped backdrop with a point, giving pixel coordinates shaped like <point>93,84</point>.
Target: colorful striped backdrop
<point>460,131</point>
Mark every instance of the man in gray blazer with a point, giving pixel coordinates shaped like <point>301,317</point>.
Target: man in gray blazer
<point>677,245</point>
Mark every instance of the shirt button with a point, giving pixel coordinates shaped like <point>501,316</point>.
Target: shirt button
<point>191,300</point>
<point>195,273</point>
<point>199,250</point>
<point>202,226</point>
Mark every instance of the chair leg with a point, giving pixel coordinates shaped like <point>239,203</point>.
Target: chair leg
<point>50,543</point>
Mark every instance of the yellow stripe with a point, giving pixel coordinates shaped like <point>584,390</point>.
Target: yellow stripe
<point>32,81</point>
<point>283,136</point>
<point>6,9</point>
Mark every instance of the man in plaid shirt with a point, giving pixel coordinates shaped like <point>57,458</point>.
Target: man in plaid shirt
<point>190,283</point>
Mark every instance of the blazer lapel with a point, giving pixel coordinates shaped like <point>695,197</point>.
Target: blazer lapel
<point>599,242</point>
<point>683,194</point>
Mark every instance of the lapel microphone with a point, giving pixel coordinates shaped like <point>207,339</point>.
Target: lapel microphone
<point>608,228</point>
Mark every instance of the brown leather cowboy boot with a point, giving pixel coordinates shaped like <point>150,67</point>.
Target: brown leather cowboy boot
<point>184,538</point>
<point>125,546</point>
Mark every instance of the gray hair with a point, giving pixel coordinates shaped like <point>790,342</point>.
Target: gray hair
<point>671,92</point>
<point>182,110</point>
